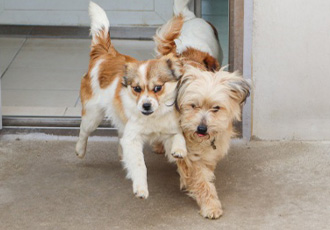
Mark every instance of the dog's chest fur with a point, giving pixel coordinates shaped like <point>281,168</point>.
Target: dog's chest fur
<point>210,151</point>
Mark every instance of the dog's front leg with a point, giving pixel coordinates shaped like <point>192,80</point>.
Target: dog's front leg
<point>178,147</point>
<point>198,180</point>
<point>133,159</point>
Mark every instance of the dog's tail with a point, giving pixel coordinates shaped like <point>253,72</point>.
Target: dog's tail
<point>181,8</point>
<point>101,42</point>
<point>166,34</point>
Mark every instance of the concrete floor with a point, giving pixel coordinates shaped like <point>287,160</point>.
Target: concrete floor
<point>262,185</point>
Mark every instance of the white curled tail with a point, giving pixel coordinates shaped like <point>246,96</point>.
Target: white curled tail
<point>181,8</point>
<point>101,42</point>
<point>99,21</point>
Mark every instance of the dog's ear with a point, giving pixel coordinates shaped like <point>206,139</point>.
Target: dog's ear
<point>182,85</point>
<point>130,72</point>
<point>174,65</point>
<point>211,63</point>
<point>239,88</point>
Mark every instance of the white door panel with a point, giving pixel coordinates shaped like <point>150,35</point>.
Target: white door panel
<point>74,12</point>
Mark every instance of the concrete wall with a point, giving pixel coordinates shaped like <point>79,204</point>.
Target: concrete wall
<point>74,12</point>
<point>291,69</point>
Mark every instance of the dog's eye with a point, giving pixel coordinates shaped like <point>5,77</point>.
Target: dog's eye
<point>137,89</point>
<point>216,109</point>
<point>193,106</point>
<point>157,88</point>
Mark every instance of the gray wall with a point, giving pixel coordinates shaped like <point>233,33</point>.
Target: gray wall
<point>291,69</point>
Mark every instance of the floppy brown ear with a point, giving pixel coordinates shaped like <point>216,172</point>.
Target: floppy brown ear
<point>175,66</point>
<point>211,63</point>
<point>238,86</point>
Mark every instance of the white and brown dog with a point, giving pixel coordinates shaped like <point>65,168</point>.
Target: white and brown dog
<point>189,37</point>
<point>208,102</point>
<point>137,96</point>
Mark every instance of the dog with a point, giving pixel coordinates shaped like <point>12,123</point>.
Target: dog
<point>189,37</point>
<point>138,97</point>
<point>209,103</point>
<point>209,100</point>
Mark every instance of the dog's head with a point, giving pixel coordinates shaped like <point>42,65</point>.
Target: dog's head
<point>209,102</point>
<point>152,84</point>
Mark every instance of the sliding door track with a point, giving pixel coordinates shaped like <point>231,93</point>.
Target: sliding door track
<point>66,126</point>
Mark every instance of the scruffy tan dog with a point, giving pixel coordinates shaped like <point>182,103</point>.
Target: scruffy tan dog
<point>209,103</point>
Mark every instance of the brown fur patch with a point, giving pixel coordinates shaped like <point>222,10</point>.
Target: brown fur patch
<point>210,63</point>
<point>86,91</point>
<point>167,68</point>
<point>112,67</point>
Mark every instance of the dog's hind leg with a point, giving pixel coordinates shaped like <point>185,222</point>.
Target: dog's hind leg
<point>90,120</point>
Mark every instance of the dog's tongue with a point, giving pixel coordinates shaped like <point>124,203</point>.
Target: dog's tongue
<point>201,135</point>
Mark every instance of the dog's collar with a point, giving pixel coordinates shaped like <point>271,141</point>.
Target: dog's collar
<point>213,145</point>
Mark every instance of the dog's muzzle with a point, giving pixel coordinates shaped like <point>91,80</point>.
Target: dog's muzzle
<point>201,130</point>
<point>147,110</point>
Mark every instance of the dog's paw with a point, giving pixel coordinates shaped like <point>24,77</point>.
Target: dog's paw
<point>211,213</point>
<point>80,150</point>
<point>179,153</point>
<point>141,192</point>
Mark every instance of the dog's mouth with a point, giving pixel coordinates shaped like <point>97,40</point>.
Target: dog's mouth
<point>147,113</point>
<point>202,135</point>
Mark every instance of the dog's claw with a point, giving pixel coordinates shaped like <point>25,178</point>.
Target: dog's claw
<point>80,150</point>
<point>214,213</point>
<point>141,192</point>
<point>179,154</point>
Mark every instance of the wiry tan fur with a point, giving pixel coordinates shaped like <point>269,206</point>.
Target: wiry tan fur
<point>200,95</point>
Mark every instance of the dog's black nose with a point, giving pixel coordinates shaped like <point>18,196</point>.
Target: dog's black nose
<point>146,106</point>
<point>202,129</point>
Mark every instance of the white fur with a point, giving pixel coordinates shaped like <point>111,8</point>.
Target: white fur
<point>197,33</point>
<point>162,125</point>
<point>99,19</point>
<point>143,72</point>
<point>95,75</point>
<point>181,7</point>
